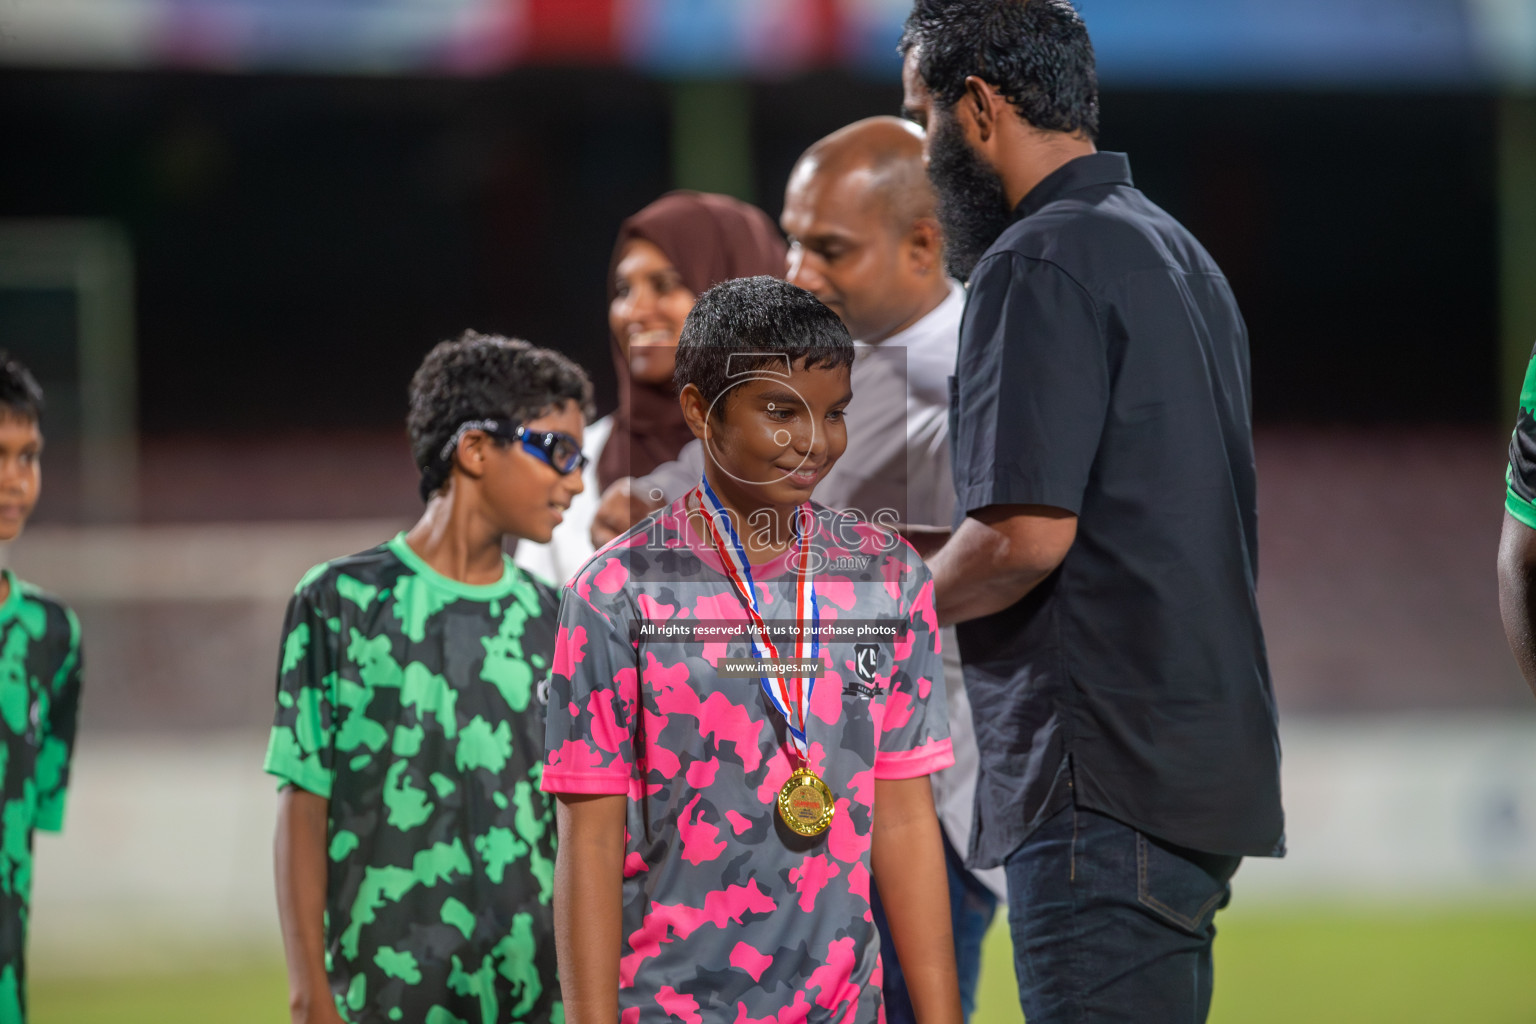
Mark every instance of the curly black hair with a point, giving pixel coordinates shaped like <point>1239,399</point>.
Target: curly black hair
<point>751,323</point>
<point>20,395</point>
<point>485,376</point>
<point>1035,52</point>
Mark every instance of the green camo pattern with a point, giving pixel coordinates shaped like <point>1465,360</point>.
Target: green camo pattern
<point>39,706</point>
<point>1520,476</point>
<point>410,701</point>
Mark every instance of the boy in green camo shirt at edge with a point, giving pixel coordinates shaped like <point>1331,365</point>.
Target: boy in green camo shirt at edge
<point>415,851</point>
<point>39,687</point>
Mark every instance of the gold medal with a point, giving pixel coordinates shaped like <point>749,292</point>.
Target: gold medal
<point>805,803</point>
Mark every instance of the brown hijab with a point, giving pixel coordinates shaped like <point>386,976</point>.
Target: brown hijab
<point>709,238</point>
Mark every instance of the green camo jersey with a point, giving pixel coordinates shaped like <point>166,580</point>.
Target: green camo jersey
<point>1520,477</point>
<point>39,702</point>
<point>413,703</point>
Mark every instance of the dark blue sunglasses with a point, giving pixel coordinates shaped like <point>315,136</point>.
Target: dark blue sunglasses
<point>557,448</point>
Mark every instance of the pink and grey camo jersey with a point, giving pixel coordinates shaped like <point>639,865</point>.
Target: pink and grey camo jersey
<point>728,915</point>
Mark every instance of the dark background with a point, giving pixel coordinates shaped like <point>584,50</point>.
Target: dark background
<point>301,241</point>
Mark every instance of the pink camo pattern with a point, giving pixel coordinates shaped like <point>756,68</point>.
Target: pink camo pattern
<point>727,916</point>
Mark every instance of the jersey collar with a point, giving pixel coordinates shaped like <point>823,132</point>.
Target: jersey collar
<point>510,574</point>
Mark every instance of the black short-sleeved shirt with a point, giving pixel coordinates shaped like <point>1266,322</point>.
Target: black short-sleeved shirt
<point>1103,369</point>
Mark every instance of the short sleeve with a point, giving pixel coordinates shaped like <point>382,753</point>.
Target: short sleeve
<point>57,742</point>
<point>1520,477</point>
<point>589,732</point>
<point>1031,387</point>
<point>914,728</point>
<point>301,748</point>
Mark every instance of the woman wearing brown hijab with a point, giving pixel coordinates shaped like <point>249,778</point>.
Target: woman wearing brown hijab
<point>666,256</point>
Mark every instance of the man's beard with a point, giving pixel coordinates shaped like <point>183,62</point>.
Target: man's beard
<point>972,204</point>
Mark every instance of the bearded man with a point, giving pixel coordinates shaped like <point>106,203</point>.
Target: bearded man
<point>1103,564</point>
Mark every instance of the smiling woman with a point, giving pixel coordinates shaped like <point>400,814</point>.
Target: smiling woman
<point>666,256</point>
<point>646,315</point>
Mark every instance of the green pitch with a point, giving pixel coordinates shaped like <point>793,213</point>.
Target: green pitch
<point>248,993</point>
<point>1344,967</point>
<point>1321,967</point>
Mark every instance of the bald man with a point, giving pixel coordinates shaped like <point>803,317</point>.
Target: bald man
<point>858,211</point>
<point>859,214</point>
<point>863,239</point>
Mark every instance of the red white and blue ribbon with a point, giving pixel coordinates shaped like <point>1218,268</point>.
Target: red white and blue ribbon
<point>790,695</point>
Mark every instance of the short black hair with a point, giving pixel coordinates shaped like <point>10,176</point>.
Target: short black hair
<point>751,323</point>
<point>20,395</point>
<point>1035,52</point>
<point>486,376</point>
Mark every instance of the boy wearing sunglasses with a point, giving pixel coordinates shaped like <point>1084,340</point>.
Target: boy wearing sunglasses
<point>415,851</point>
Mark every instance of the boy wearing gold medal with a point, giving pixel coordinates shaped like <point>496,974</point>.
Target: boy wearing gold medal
<point>739,683</point>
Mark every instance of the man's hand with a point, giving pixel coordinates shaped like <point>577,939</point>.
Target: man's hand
<point>620,508</point>
<point>999,554</point>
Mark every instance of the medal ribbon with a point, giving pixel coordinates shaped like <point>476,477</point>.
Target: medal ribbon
<point>793,702</point>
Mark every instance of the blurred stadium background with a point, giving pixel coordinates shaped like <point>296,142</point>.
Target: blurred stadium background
<point>230,228</point>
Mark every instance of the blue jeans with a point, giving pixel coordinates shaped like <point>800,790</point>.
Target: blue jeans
<point>1110,924</point>
<point>971,906</point>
